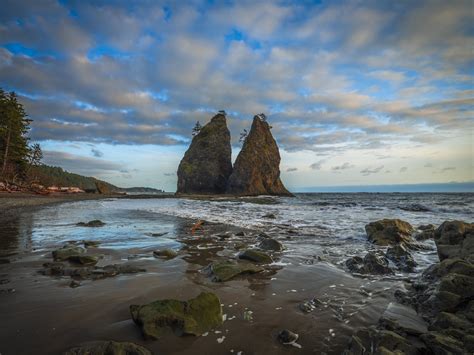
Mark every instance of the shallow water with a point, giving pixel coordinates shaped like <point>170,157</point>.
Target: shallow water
<point>319,232</point>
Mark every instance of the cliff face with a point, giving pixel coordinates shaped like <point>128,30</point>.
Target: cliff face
<point>206,165</point>
<point>257,168</point>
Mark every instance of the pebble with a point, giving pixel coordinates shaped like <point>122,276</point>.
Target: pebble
<point>220,340</point>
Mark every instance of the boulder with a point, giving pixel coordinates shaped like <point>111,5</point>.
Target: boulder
<point>401,257</point>
<point>109,348</point>
<point>93,223</point>
<point>86,260</point>
<point>66,252</point>
<point>389,232</point>
<point>220,271</point>
<point>398,317</point>
<point>255,256</point>
<point>455,239</point>
<point>206,165</point>
<point>257,167</point>
<point>372,263</point>
<point>194,317</point>
<point>165,253</point>
<point>440,343</point>
<point>91,243</point>
<point>270,244</point>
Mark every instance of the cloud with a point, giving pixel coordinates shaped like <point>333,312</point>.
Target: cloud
<point>428,165</point>
<point>448,168</point>
<point>80,164</point>
<point>317,165</point>
<point>169,174</point>
<point>403,169</point>
<point>369,171</point>
<point>97,153</point>
<point>291,170</point>
<point>342,167</point>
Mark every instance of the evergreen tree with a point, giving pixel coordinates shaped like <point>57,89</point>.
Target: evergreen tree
<point>197,128</point>
<point>243,136</point>
<point>14,126</point>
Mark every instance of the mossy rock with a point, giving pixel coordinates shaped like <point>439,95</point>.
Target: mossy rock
<point>67,251</point>
<point>91,243</point>
<point>86,260</point>
<point>225,270</point>
<point>389,232</point>
<point>194,317</point>
<point>255,256</point>
<point>440,343</point>
<point>109,348</point>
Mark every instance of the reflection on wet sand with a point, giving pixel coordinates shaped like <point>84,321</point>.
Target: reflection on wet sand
<point>15,234</point>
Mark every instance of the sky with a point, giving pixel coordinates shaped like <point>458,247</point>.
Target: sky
<point>357,92</point>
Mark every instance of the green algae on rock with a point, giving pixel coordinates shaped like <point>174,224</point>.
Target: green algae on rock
<point>66,252</point>
<point>194,317</point>
<point>86,260</point>
<point>109,348</point>
<point>255,256</point>
<point>221,271</point>
<point>165,253</point>
<point>389,232</point>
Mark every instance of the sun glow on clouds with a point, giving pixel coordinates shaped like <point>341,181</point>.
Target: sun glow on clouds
<point>357,93</point>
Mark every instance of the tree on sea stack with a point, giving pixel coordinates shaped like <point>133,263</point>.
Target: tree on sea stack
<point>197,128</point>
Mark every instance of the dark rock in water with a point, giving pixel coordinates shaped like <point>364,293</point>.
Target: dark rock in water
<point>86,260</point>
<point>269,216</point>
<point>398,317</point>
<point>372,263</point>
<point>270,244</point>
<point>109,348</point>
<point>93,223</point>
<point>74,284</point>
<point>165,253</point>
<point>415,208</point>
<point>425,227</point>
<point>401,257</point>
<point>255,256</point>
<point>425,234</point>
<point>221,271</point>
<point>193,317</point>
<point>455,239</point>
<point>309,306</point>
<point>287,336</point>
<point>67,251</point>
<point>206,165</point>
<point>158,234</point>
<point>91,243</point>
<point>257,167</point>
<point>4,261</point>
<point>389,232</point>
<point>240,234</point>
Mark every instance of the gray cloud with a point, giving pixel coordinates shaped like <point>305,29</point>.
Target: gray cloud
<point>369,171</point>
<point>97,153</point>
<point>291,170</point>
<point>344,166</point>
<point>317,165</point>
<point>403,169</point>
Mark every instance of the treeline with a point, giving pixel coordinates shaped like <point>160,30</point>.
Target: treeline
<point>55,176</point>
<point>17,156</point>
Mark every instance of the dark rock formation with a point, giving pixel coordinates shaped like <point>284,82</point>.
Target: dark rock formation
<point>455,239</point>
<point>220,271</point>
<point>389,232</point>
<point>207,165</point>
<point>257,168</point>
<point>372,263</point>
<point>255,256</point>
<point>194,317</point>
<point>401,257</point>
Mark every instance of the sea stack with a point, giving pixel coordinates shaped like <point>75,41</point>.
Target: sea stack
<point>207,165</point>
<point>257,168</point>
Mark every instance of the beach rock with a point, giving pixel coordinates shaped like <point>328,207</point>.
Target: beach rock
<point>440,343</point>
<point>74,284</point>
<point>91,243</point>
<point>67,251</point>
<point>109,348</point>
<point>240,234</point>
<point>372,263</point>
<point>455,239</point>
<point>257,167</point>
<point>415,207</point>
<point>194,317</point>
<point>93,223</point>
<point>270,244</point>
<point>389,232</point>
<point>255,256</point>
<point>86,260</point>
<point>221,271</point>
<point>398,317</point>
<point>206,165</point>
<point>401,257</point>
<point>165,253</point>
<point>287,336</point>
<point>269,216</point>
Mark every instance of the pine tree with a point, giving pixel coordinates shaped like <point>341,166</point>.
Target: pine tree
<point>14,126</point>
<point>243,136</point>
<point>197,128</point>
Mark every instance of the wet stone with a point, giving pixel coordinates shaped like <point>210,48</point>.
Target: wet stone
<point>255,256</point>
<point>287,336</point>
<point>86,260</point>
<point>398,317</point>
<point>67,251</point>
<point>165,254</point>
<point>109,348</point>
<point>270,244</point>
<point>92,224</point>
<point>220,271</point>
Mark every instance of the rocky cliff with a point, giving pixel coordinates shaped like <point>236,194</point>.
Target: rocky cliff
<point>207,165</point>
<point>257,168</point>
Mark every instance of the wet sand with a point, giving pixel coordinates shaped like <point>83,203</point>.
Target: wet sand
<point>45,316</point>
